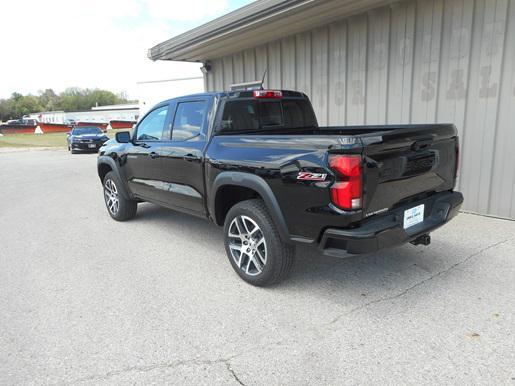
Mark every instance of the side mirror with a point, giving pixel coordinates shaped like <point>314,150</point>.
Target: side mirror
<point>68,133</point>
<point>123,137</point>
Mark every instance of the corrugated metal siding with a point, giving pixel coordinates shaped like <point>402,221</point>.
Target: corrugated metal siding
<point>415,61</point>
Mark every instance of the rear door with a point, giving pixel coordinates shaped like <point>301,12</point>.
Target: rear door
<point>182,155</point>
<point>143,166</point>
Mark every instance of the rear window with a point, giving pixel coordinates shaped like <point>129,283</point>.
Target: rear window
<point>270,114</point>
<point>253,115</point>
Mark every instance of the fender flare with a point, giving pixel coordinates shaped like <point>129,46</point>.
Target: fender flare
<point>257,184</point>
<point>106,160</point>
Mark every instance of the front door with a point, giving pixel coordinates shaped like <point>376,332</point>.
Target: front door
<point>143,166</point>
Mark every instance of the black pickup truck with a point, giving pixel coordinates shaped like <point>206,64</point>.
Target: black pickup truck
<point>257,163</point>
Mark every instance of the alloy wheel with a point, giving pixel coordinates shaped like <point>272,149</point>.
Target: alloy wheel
<point>111,196</point>
<point>247,245</point>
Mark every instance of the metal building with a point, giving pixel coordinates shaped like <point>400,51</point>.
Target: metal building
<point>376,62</point>
<point>99,114</point>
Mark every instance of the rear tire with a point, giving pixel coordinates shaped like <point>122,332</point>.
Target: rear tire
<point>118,207</point>
<point>253,245</point>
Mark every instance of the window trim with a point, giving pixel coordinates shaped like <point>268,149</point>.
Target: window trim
<point>167,119</point>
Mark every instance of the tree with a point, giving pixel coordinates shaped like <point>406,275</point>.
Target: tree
<point>26,105</point>
<point>6,109</point>
<point>48,99</point>
<point>71,99</point>
<point>76,99</point>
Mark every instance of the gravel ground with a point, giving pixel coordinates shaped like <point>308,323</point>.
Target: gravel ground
<point>87,300</point>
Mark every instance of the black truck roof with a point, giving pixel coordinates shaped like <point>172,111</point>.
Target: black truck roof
<point>237,94</point>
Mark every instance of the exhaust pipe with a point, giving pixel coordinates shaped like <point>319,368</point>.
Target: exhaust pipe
<point>423,239</point>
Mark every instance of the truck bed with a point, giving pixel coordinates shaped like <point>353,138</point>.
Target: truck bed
<point>400,163</point>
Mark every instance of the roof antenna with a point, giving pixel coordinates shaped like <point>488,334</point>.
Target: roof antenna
<point>248,86</point>
<point>263,79</point>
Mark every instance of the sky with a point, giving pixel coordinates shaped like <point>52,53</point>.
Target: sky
<point>95,43</point>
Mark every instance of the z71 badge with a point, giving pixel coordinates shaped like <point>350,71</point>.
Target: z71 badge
<point>308,176</point>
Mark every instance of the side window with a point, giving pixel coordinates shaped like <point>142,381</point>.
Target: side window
<point>151,127</point>
<point>188,120</point>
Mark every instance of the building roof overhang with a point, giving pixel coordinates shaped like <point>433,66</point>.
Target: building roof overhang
<point>257,23</point>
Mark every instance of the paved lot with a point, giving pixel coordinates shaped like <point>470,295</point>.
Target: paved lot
<point>86,300</point>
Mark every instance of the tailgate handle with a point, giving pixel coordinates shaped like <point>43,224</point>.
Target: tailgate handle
<point>421,144</point>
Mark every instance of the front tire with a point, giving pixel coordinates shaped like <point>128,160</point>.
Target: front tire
<point>253,245</point>
<point>118,207</point>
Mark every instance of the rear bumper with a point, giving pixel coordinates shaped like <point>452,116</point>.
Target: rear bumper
<point>387,230</point>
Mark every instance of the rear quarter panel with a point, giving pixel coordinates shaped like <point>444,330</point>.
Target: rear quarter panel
<point>278,160</point>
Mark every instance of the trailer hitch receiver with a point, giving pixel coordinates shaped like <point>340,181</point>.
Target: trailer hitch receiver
<point>422,239</point>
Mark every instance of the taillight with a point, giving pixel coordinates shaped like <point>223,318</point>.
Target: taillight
<point>274,94</point>
<point>346,192</point>
<point>457,159</point>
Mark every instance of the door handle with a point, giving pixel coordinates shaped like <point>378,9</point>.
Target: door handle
<point>191,158</point>
<point>154,155</point>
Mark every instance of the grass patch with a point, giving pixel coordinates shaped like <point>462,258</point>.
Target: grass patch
<point>34,140</point>
<point>57,140</point>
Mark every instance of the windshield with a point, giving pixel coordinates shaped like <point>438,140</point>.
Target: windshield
<point>86,130</point>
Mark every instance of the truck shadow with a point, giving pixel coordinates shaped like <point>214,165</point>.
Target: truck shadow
<point>187,225</point>
<point>358,275</point>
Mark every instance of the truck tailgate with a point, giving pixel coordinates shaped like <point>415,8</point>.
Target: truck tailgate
<point>406,163</point>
